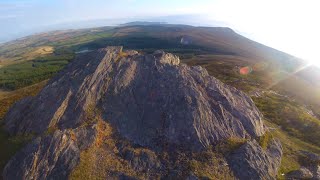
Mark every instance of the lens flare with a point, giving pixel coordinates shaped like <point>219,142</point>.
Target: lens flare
<point>245,70</point>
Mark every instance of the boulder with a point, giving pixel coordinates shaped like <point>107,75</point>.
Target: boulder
<point>251,162</point>
<point>51,156</point>
<point>302,173</point>
<point>311,158</point>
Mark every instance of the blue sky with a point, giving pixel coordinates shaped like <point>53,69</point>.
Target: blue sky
<point>18,17</point>
<point>288,25</point>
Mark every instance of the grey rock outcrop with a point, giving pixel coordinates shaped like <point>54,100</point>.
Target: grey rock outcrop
<point>302,173</point>
<point>250,161</point>
<point>145,97</point>
<point>50,157</point>
<point>311,162</point>
<point>312,158</point>
<point>149,99</point>
<point>67,97</point>
<point>316,172</point>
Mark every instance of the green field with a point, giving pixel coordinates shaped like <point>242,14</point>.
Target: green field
<point>26,73</point>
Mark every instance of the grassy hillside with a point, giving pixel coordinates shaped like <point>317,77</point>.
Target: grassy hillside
<point>293,118</point>
<point>31,60</point>
<point>26,73</point>
<point>44,54</point>
<point>295,125</point>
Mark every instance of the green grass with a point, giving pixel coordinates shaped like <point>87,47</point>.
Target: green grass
<point>227,70</point>
<point>10,145</point>
<point>291,146</point>
<point>296,129</point>
<point>230,145</point>
<point>31,72</point>
<point>290,116</point>
<point>265,140</point>
<point>23,73</point>
<point>209,165</point>
<point>82,39</point>
<point>142,43</point>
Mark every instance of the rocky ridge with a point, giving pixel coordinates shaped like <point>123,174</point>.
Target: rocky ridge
<point>151,102</point>
<point>310,168</point>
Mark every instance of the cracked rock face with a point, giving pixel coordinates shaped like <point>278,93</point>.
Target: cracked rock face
<point>50,157</point>
<point>154,97</point>
<point>302,173</point>
<point>251,162</point>
<point>148,99</point>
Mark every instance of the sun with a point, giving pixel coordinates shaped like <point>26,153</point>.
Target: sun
<point>314,61</point>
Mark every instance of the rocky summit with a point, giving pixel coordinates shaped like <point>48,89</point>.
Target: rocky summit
<point>114,114</point>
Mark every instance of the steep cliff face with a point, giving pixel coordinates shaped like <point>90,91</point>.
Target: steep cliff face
<point>150,100</point>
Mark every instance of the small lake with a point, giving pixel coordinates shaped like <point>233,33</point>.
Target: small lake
<point>83,51</point>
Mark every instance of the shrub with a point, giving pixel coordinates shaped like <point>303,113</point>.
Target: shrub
<point>265,139</point>
<point>210,165</point>
<point>231,144</point>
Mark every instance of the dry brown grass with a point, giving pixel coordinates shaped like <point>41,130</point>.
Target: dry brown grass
<point>210,165</point>
<point>126,31</point>
<point>105,159</point>
<point>123,54</point>
<point>5,61</point>
<point>38,52</point>
<point>265,140</point>
<point>29,55</point>
<point>4,94</point>
<point>101,160</point>
<point>231,144</point>
<point>8,98</point>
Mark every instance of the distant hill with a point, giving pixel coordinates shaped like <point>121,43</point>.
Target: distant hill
<point>142,23</point>
<point>180,39</point>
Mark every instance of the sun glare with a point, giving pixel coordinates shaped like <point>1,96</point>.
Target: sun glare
<point>314,61</point>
